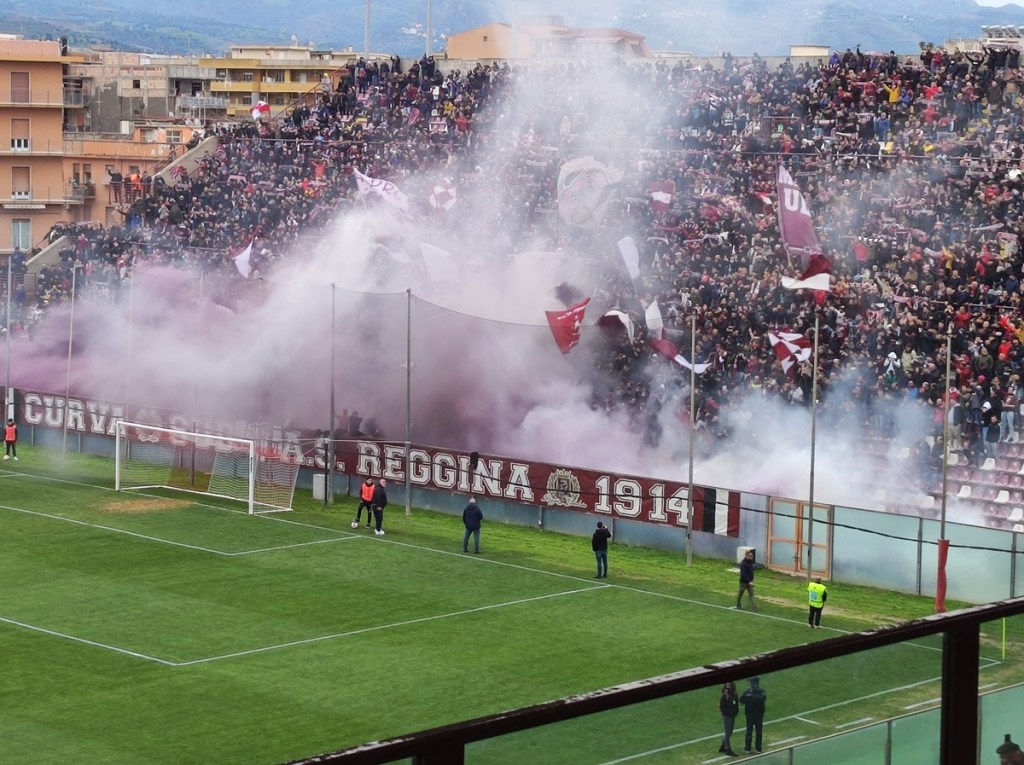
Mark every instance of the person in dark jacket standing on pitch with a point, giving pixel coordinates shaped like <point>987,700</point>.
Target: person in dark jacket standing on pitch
<point>472,517</point>
<point>729,708</point>
<point>379,502</point>
<point>599,543</point>
<point>747,580</point>
<point>754,700</point>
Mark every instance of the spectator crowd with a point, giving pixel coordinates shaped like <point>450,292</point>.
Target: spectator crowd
<point>911,168</point>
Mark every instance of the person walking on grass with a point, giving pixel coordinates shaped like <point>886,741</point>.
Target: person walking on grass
<point>365,500</point>
<point>599,543</point>
<point>379,502</point>
<point>817,594</point>
<point>11,441</point>
<point>754,701</point>
<point>472,517</point>
<point>729,708</point>
<point>747,580</point>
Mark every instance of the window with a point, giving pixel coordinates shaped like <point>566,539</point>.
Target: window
<point>21,185</point>
<point>19,135</point>
<point>136,84</point>
<point>21,234</point>
<point>173,136</point>
<point>87,173</point>
<point>246,99</point>
<point>76,173</point>
<point>280,101</point>
<point>222,74</point>
<point>19,88</point>
<point>246,76</point>
<point>133,170</point>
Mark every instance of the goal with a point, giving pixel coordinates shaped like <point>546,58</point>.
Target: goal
<point>150,457</point>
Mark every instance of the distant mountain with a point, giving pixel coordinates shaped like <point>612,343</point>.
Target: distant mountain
<point>701,27</point>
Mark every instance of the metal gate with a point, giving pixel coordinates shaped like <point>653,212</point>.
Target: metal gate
<point>788,531</point>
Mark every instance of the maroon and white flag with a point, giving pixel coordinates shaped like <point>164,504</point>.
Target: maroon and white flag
<point>242,260</point>
<point>669,350</point>
<point>385,190</point>
<point>565,325</point>
<point>797,230</point>
<point>662,193</point>
<point>443,195</point>
<point>792,348</point>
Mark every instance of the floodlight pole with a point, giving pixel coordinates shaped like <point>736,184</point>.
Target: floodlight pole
<point>366,30</point>
<point>329,456</point>
<point>408,402</point>
<point>814,430</point>
<point>9,396</point>
<point>195,392</point>
<point>943,550</point>
<point>430,25</point>
<point>71,341</point>
<point>693,429</point>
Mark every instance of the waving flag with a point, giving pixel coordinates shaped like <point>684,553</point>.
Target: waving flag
<point>443,195</point>
<point>669,350</point>
<point>630,256</point>
<point>791,348</point>
<point>242,260</point>
<point>662,193</point>
<point>260,109</point>
<point>441,265</point>
<point>614,319</point>
<point>655,324</point>
<point>584,189</point>
<point>385,190</point>
<point>565,325</point>
<point>797,229</point>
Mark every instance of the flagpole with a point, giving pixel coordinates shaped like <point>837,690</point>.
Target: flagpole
<point>430,25</point>
<point>331,446</point>
<point>195,390</point>
<point>943,551</point>
<point>814,429</point>
<point>693,429</point>
<point>366,30</point>
<point>408,401</point>
<point>71,336</point>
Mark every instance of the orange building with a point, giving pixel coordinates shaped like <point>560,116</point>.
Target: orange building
<point>551,39</point>
<point>33,100</point>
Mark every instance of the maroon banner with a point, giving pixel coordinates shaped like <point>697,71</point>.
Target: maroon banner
<point>796,225</point>
<point>645,499</point>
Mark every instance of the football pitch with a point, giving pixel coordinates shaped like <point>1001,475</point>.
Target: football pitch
<point>169,628</point>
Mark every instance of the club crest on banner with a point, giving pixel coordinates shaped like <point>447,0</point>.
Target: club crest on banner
<point>563,489</point>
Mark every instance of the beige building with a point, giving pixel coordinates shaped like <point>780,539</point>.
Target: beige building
<point>544,40</point>
<point>277,74</point>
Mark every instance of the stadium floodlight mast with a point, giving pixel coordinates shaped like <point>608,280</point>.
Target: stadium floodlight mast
<point>408,401</point>
<point>943,550</point>
<point>366,30</point>
<point>693,427</point>
<point>814,429</point>
<point>329,460</point>
<point>9,392</point>
<point>71,341</point>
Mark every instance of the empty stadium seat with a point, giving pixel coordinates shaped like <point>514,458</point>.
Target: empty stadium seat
<point>1018,529</point>
<point>953,458</point>
<point>1003,496</point>
<point>965,492</point>
<point>1017,514</point>
<point>989,463</point>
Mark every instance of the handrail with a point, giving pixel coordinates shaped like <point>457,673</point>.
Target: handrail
<point>959,726</point>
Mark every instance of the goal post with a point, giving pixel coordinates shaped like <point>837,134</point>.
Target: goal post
<point>151,457</point>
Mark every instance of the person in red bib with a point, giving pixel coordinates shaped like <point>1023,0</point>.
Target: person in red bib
<point>10,440</point>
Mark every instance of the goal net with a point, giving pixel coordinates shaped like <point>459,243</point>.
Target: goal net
<point>150,457</point>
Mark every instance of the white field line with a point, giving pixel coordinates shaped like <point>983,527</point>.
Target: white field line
<point>809,722</point>
<point>808,712</point>
<point>393,625</point>
<point>343,535</point>
<point>95,644</point>
<point>923,703</point>
<point>789,740</point>
<point>854,722</point>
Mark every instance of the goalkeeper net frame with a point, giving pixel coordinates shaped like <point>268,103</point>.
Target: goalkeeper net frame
<point>152,457</point>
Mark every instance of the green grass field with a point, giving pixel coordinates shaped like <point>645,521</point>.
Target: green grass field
<point>147,627</point>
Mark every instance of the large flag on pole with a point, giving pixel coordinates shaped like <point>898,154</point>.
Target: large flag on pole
<point>792,348</point>
<point>584,190</point>
<point>630,256</point>
<point>385,190</point>
<point>669,350</point>
<point>565,325</point>
<point>797,230</point>
<point>655,323</point>
<point>260,109</point>
<point>443,195</point>
<point>242,260</point>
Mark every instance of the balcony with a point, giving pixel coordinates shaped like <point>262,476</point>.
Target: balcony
<point>81,192</point>
<point>74,97</point>
<point>26,147</point>
<point>34,99</point>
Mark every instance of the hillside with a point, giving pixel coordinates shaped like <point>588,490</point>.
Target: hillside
<point>699,26</point>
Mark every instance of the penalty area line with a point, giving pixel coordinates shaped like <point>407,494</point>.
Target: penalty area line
<point>86,641</point>
<point>379,627</point>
